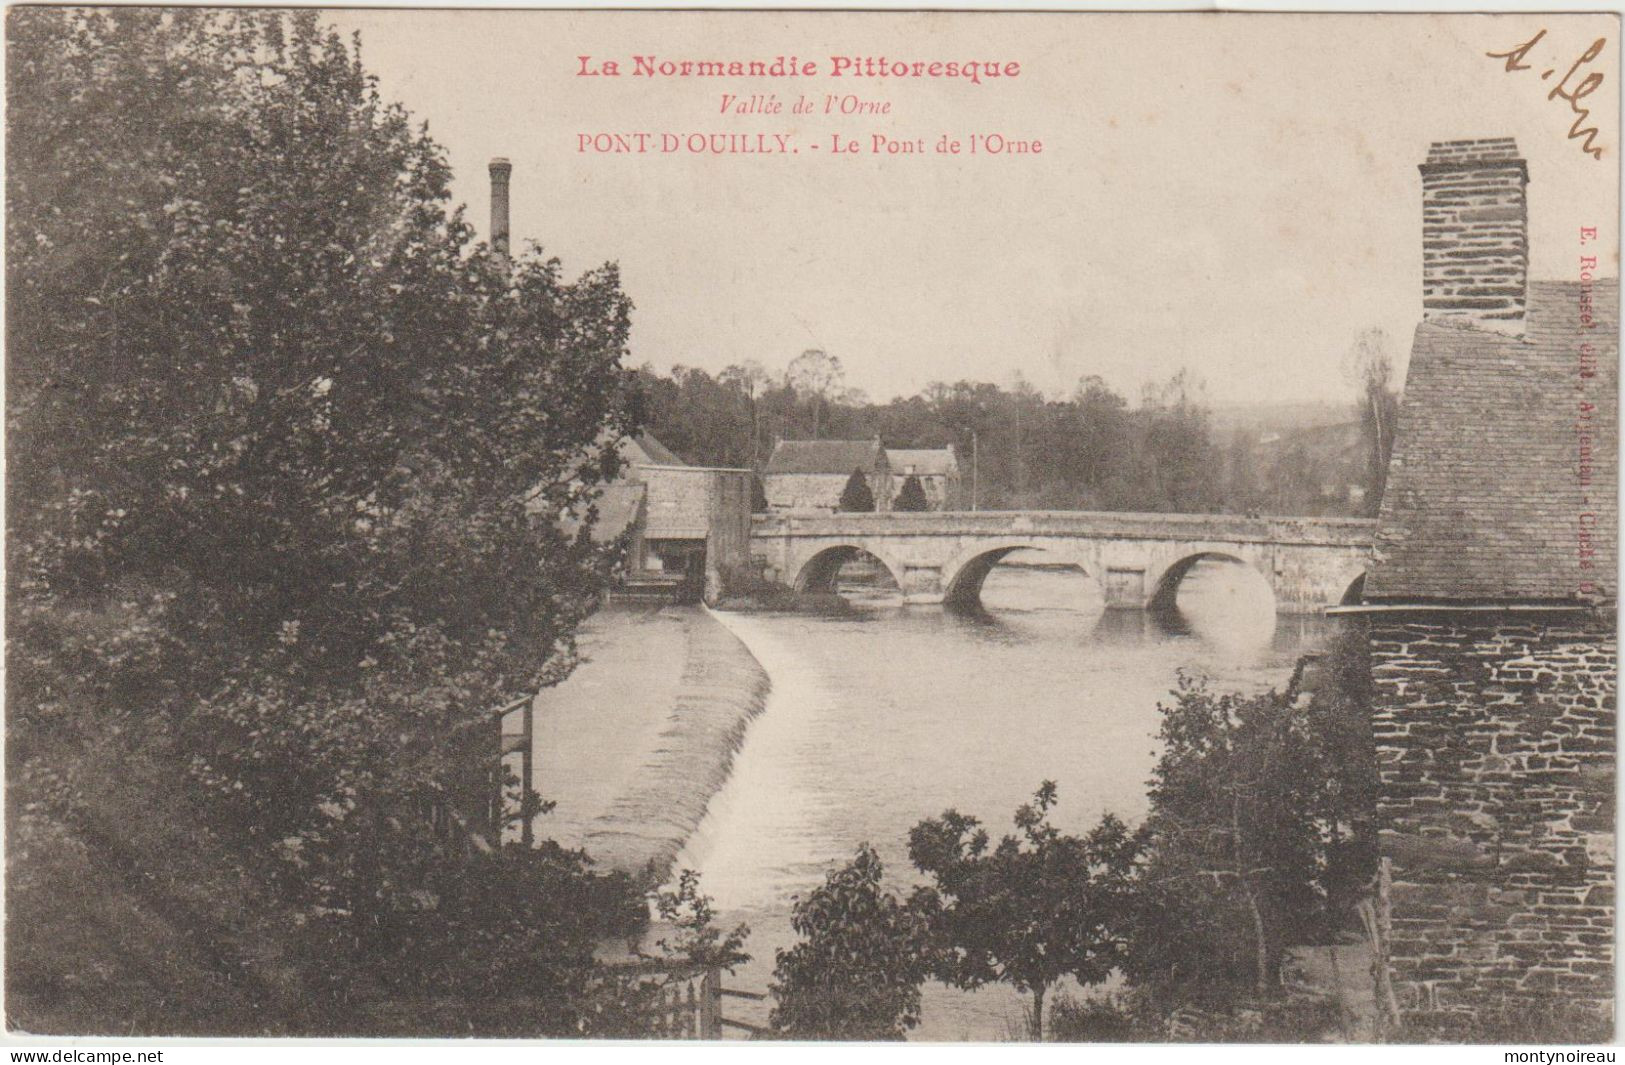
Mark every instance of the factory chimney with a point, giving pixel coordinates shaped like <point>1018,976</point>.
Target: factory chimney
<point>501,170</point>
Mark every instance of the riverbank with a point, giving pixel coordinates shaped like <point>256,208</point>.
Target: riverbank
<point>634,744</point>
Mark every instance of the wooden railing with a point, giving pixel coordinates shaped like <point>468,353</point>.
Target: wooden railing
<point>688,1004</point>
<point>473,808</point>
<point>730,1022</point>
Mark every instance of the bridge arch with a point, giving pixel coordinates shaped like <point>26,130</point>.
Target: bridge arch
<point>818,573</point>
<point>1163,603</point>
<point>1355,590</point>
<point>963,576</point>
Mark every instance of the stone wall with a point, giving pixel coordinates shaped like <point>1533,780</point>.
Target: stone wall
<point>819,492</point>
<point>679,503</point>
<point>1495,742</point>
<point>727,545</point>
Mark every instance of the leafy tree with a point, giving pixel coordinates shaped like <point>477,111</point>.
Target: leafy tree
<point>1259,831</point>
<point>696,939</point>
<point>1294,480</point>
<point>856,497</point>
<point>288,447</point>
<point>856,973</point>
<point>535,915</point>
<point>751,379</point>
<point>709,421</point>
<point>1242,490</point>
<point>1176,449</point>
<point>819,377</point>
<point>1089,450</point>
<point>911,496</point>
<point>1034,909</point>
<point>1024,403</point>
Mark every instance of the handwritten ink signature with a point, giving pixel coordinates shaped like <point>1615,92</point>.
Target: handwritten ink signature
<point>1587,85</point>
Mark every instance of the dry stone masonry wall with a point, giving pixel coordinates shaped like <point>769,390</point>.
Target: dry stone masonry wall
<point>1495,743</point>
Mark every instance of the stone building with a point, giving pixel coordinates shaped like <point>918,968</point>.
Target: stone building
<point>1490,615</point>
<point>810,474</point>
<point>688,526</point>
<point>938,471</point>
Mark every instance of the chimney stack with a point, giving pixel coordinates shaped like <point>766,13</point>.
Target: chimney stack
<point>501,170</point>
<point>1475,234</point>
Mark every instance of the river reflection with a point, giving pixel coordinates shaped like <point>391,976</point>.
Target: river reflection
<point>881,719</point>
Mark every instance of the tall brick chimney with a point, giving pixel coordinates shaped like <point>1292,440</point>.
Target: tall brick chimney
<point>501,170</point>
<point>1475,234</point>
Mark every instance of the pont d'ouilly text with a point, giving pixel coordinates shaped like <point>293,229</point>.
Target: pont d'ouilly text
<point>974,71</point>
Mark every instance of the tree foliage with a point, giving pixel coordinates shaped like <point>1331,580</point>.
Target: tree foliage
<point>856,496</point>
<point>857,971</point>
<point>817,377</point>
<point>280,431</point>
<point>1090,449</point>
<point>1033,909</point>
<point>1258,835</point>
<point>911,497</point>
<point>621,1001</point>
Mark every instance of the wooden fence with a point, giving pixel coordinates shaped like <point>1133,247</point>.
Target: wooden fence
<point>687,1004</point>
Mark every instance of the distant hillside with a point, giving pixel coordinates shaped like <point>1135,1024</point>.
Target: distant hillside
<point>1281,418</point>
<point>1308,468</point>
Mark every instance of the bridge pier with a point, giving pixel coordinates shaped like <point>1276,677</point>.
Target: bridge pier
<point>1124,589</point>
<point>922,584</point>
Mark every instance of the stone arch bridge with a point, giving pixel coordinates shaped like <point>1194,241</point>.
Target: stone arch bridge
<point>1138,559</point>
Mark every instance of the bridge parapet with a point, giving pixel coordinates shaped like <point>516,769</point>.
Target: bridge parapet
<point>1069,523</point>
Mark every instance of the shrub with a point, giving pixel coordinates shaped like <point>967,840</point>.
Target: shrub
<point>1100,1019</point>
<point>856,973</point>
<point>856,497</point>
<point>911,497</point>
<point>1259,833</point>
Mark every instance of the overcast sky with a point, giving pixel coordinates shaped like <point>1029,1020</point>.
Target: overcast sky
<point>1235,194</point>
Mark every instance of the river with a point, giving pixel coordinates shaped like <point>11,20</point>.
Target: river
<point>892,715</point>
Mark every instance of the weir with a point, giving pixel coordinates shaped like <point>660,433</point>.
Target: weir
<point>636,742</point>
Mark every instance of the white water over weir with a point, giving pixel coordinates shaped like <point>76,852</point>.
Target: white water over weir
<point>751,847</point>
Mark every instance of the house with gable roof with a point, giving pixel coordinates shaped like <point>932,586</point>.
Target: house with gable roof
<point>937,469</point>
<point>809,475</point>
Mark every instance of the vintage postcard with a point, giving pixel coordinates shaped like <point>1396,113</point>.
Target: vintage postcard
<point>729,525</point>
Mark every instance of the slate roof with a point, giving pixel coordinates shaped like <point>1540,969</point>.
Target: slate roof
<point>620,504</point>
<point>1485,500</point>
<point>825,456</point>
<point>645,450</point>
<point>930,462</point>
